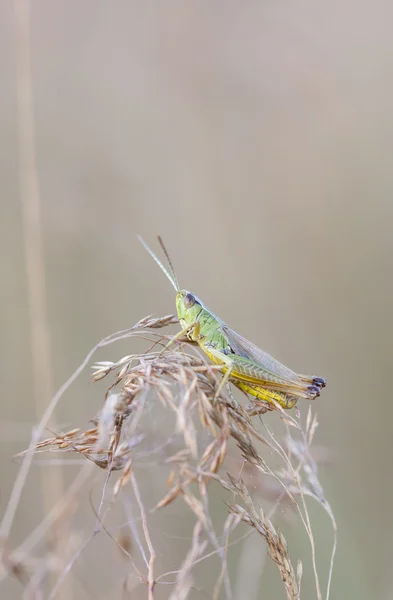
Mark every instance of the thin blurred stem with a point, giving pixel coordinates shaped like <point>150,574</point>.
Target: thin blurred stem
<point>31,212</point>
<point>150,575</point>
<point>52,483</point>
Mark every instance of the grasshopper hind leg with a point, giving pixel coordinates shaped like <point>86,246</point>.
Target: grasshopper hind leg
<point>286,401</point>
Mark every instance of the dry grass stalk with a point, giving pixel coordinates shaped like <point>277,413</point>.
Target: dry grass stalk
<point>204,435</point>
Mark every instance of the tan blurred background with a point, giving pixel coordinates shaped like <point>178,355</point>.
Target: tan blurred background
<point>257,139</point>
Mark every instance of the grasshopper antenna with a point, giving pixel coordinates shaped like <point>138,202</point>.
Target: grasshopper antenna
<point>169,262</point>
<point>171,276</point>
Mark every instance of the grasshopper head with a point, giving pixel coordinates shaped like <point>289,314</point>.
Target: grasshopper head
<point>188,307</point>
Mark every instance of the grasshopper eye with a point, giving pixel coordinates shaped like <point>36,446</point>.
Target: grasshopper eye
<point>189,300</point>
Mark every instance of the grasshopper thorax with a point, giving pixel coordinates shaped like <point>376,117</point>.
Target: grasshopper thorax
<point>188,307</point>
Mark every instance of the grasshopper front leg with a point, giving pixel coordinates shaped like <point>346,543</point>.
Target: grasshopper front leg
<point>192,331</point>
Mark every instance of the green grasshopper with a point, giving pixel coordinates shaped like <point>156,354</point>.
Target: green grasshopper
<point>248,367</point>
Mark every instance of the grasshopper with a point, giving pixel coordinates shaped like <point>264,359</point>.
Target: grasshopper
<point>249,368</point>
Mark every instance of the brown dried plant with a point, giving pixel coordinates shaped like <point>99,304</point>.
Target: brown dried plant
<point>208,441</point>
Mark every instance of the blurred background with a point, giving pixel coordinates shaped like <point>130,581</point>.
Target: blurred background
<point>257,139</point>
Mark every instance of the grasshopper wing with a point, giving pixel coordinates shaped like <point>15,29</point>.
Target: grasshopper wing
<point>245,348</point>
